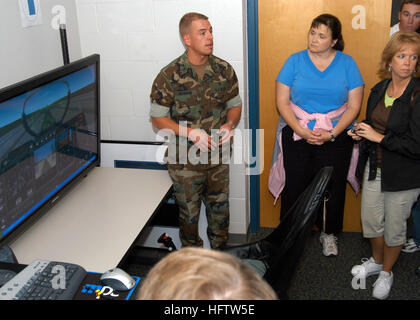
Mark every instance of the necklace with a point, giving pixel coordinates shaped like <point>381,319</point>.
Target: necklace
<point>392,94</point>
<point>398,91</point>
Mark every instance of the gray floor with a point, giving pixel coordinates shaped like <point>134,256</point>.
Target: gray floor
<point>329,278</point>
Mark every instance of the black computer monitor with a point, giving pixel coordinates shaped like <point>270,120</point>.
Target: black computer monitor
<point>49,139</point>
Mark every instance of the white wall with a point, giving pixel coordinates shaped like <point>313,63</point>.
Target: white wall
<point>136,38</point>
<point>26,52</point>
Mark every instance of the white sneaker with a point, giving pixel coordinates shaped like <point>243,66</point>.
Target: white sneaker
<point>382,285</point>
<point>410,246</point>
<point>329,244</point>
<point>368,268</point>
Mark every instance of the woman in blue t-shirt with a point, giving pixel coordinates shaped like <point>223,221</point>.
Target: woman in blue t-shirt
<point>319,92</point>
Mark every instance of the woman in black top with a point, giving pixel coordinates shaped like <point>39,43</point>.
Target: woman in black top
<point>390,158</point>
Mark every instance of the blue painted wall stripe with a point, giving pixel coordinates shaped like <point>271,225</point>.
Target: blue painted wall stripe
<point>31,7</point>
<point>254,118</point>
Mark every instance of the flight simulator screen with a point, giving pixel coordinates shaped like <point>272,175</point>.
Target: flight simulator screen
<point>48,135</point>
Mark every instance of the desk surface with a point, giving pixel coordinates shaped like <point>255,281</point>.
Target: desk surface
<point>97,221</point>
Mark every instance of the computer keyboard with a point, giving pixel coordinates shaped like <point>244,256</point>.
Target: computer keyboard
<point>44,280</point>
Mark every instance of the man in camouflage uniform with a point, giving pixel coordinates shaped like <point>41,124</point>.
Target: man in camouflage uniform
<point>196,98</point>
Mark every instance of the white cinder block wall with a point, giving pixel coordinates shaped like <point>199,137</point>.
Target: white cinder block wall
<point>26,52</point>
<point>135,39</point>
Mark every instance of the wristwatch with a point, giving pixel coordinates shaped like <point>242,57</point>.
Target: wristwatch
<point>332,136</point>
<point>232,124</point>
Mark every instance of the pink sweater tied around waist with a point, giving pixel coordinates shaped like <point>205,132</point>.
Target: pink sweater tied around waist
<point>323,121</point>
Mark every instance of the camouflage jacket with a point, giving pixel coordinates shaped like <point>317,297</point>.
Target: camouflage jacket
<point>193,102</point>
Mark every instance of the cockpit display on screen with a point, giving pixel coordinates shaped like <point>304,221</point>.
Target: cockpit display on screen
<point>48,136</point>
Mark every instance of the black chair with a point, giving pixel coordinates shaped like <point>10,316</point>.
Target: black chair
<point>7,255</point>
<point>281,250</point>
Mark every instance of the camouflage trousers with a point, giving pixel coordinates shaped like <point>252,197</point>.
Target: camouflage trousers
<point>191,187</point>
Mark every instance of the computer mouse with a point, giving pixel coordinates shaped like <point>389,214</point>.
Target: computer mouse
<point>118,279</point>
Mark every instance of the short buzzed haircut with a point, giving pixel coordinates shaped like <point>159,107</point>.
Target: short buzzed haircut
<point>187,19</point>
<point>417,2</point>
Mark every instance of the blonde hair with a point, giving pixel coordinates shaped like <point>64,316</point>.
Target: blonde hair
<point>187,19</point>
<point>203,274</point>
<point>394,45</point>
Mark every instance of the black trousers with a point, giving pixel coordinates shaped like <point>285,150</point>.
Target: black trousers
<point>301,163</point>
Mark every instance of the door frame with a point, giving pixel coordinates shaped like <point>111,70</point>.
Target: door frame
<point>253,108</point>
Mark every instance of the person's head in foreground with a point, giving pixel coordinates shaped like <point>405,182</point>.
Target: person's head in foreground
<point>203,274</point>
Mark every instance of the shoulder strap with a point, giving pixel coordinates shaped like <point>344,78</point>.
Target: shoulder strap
<point>414,95</point>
